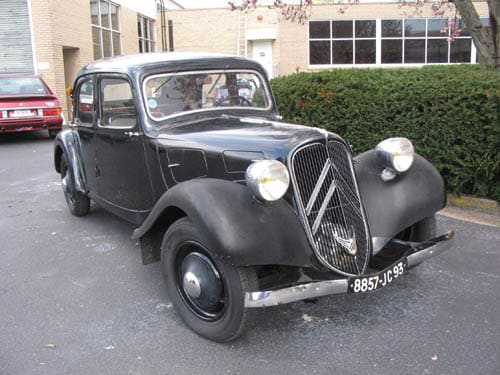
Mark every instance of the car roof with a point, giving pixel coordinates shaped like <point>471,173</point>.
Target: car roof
<point>19,75</point>
<point>171,61</point>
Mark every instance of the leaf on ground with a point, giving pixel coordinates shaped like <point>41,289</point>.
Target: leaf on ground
<point>307,318</point>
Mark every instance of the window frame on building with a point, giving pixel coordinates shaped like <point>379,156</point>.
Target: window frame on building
<point>103,34</point>
<point>435,46</point>
<point>146,32</point>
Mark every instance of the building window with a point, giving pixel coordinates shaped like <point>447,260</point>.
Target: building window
<point>342,42</point>
<point>105,18</point>
<point>398,41</point>
<point>422,41</point>
<point>146,32</point>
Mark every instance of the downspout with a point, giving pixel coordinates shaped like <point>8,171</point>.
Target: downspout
<point>32,36</point>
<point>238,34</point>
<point>245,36</point>
<point>163,27</point>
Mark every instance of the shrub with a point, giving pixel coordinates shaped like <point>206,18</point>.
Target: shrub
<point>451,114</point>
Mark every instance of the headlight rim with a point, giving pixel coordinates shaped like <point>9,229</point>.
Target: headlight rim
<point>390,148</point>
<point>256,173</point>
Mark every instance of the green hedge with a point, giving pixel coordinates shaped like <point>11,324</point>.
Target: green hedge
<point>451,114</point>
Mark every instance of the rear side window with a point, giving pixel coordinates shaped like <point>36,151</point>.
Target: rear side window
<point>85,108</point>
<point>118,107</point>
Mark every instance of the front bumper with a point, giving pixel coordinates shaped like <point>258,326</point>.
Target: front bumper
<point>415,255</point>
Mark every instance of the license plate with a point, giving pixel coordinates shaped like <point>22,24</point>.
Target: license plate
<point>21,113</point>
<point>361,284</point>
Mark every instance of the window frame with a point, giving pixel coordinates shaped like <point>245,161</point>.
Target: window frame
<point>265,87</point>
<point>100,101</point>
<point>379,39</point>
<point>76,101</point>
<point>148,40</point>
<point>107,28</point>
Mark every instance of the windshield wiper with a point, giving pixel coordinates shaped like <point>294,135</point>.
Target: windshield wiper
<point>215,83</point>
<point>163,84</point>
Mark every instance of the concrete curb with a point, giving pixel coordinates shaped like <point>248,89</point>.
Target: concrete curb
<point>465,201</point>
<point>475,210</point>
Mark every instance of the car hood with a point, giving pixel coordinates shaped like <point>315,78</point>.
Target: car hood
<point>226,133</point>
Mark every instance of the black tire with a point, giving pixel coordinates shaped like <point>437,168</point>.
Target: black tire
<point>423,230</point>
<point>78,203</point>
<point>218,312</point>
<point>53,133</point>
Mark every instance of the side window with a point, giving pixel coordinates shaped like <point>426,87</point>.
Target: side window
<point>118,108</point>
<point>85,114</point>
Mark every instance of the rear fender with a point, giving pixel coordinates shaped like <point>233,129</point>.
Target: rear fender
<point>67,142</point>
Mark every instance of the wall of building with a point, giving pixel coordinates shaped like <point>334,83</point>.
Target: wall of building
<point>204,30</point>
<point>220,30</point>
<point>216,30</point>
<point>62,36</point>
<point>61,28</point>
<point>129,37</point>
<point>16,54</point>
<point>293,41</point>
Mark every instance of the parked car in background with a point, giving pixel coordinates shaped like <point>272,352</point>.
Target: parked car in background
<point>243,211</point>
<point>28,104</point>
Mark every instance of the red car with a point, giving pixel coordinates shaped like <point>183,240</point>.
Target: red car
<point>28,104</point>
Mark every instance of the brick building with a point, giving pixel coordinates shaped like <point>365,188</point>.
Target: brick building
<point>54,38</point>
<point>367,34</point>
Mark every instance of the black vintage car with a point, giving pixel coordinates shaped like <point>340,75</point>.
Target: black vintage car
<point>242,210</point>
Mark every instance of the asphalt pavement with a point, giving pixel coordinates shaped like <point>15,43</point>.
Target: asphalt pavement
<point>75,299</point>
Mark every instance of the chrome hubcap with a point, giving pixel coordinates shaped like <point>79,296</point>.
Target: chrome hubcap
<point>200,283</point>
<point>66,184</point>
<point>191,285</point>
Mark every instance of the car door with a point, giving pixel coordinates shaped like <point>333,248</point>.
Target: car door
<point>124,180</point>
<point>85,121</point>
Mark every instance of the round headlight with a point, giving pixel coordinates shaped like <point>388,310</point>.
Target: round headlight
<point>396,153</point>
<point>268,179</point>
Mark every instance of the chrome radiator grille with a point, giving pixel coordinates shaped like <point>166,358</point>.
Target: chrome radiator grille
<point>329,203</point>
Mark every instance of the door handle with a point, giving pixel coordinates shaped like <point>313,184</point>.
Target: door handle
<point>132,134</point>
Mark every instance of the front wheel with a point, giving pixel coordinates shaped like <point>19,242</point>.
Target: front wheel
<point>78,203</point>
<point>208,294</point>
<point>421,231</point>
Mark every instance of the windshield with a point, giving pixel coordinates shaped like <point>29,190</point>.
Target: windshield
<point>172,94</point>
<point>21,86</point>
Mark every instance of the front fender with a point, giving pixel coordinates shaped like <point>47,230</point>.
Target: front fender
<point>394,205</point>
<point>67,142</point>
<point>239,229</point>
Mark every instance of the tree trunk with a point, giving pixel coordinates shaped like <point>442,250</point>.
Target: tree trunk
<point>486,39</point>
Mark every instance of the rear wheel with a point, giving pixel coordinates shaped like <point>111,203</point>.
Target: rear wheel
<point>208,294</point>
<point>53,133</point>
<point>78,203</point>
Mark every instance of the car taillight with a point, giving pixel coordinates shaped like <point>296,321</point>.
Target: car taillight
<point>52,112</point>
